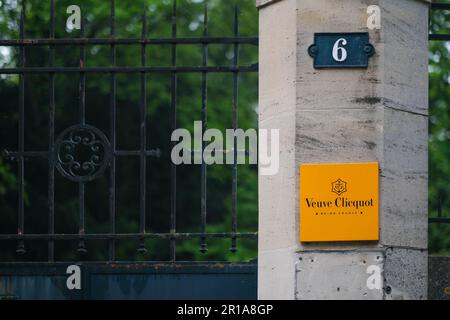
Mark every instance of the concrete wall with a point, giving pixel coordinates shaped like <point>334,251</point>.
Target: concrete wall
<point>345,115</point>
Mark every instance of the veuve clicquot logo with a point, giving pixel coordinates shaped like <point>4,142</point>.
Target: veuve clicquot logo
<point>339,187</point>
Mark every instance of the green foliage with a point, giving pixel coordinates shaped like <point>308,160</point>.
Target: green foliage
<point>439,133</point>
<point>220,101</point>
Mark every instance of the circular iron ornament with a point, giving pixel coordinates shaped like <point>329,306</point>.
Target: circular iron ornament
<point>82,153</point>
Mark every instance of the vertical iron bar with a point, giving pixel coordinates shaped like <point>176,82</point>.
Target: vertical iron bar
<point>20,227</point>
<point>173,168</point>
<point>82,224</point>
<point>112,125</point>
<point>440,201</point>
<point>82,119</point>
<point>203,245</point>
<point>51,140</point>
<point>143,127</point>
<point>233,247</point>
<point>82,92</point>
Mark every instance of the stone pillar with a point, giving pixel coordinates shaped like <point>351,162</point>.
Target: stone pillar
<point>345,115</point>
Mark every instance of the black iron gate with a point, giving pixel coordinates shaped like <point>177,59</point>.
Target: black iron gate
<point>83,152</point>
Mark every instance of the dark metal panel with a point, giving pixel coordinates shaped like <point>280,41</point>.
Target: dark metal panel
<point>32,288</point>
<point>130,281</point>
<point>175,286</point>
<point>185,281</point>
<point>35,281</point>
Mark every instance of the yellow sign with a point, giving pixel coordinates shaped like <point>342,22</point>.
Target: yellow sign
<point>338,202</point>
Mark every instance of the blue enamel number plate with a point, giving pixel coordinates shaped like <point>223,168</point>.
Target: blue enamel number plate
<point>341,50</point>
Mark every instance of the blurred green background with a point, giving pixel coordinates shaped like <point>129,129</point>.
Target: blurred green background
<point>190,19</point>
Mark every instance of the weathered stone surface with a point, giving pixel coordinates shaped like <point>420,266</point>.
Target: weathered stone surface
<point>278,265</point>
<point>337,275</point>
<point>404,180</point>
<point>330,136</point>
<point>406,274</point>
<point>277,108</point>
<point>439,275</point>
<point>277,61</point>
<point>279,202</point>
<point>260,3</point>
<point>404,35</point>
<point>335,88</point>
